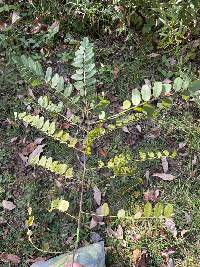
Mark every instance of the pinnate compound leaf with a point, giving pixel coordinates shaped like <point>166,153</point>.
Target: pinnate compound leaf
<point>126,104</point>
<point>136,97</point>
<point>146,92</point>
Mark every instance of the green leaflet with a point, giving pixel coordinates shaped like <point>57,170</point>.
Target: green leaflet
<point>48,74</point>
<point>79,85</point>
<point>158,210</point>
<point>103,210</point>
<point>43,101</point>
<point>59,134</point>
<point>45,126</point>
<point>177,85</point>
<point>42,161</point>
<point>121,214</point>
<point>59,204</point>
<point>77,77</point>
<point>168,210</point>
<point>166,88</point>
<point>126,104</point>
<point>90,74</point>
<point>68,90</point>
<point>146,92</point>
<point>102,115</point>
<point>194,86</point>
<point>52,128</point>
<point>147,209</point>
<point>60,84</point>
<point>157,89</point>
<point>55,80</point>
<point>49,162</point>
<point>136,97</point>
<point>89,67</point>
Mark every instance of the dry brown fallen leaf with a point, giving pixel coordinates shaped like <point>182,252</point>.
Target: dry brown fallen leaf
<point>164,176</point>
<point>37,151</point>
<point>38,140</point>
<point>8,205</point>
<point>93,222</point>
<point>147,82</point>
<point>170,225</point>
<point>165,164</point>
<point>97,195</point>
<point>23,158</point>
<point>194,161</point>
<point>103,153</point>
<point>140,258</point>
<point>118,234</point>
<point>28,149</point>
<point>15,17</point>
<point>154,133</point>
<point>125,129</point>
<point>153,55</point>
<point>39,259</point>
<point>139,128</point>
<point>182,145</point>
<point>30,93</point>
<point>55,26</point>
<point>166,254</point>
<point>14,139</point>
<point>136,255</point>
<point>152,195</point>
<point>95,237</point>
<point>4,257</point>
<point>116,72</point>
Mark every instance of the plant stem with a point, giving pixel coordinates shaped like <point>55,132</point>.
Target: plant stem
<point>80,208</point>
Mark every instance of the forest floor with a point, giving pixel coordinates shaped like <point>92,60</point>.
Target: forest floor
<point>122,66</point>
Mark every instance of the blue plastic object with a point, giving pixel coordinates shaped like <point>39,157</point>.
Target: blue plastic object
<point>89,256</point>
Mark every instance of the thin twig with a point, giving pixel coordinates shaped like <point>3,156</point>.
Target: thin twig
<point>80,209</point>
